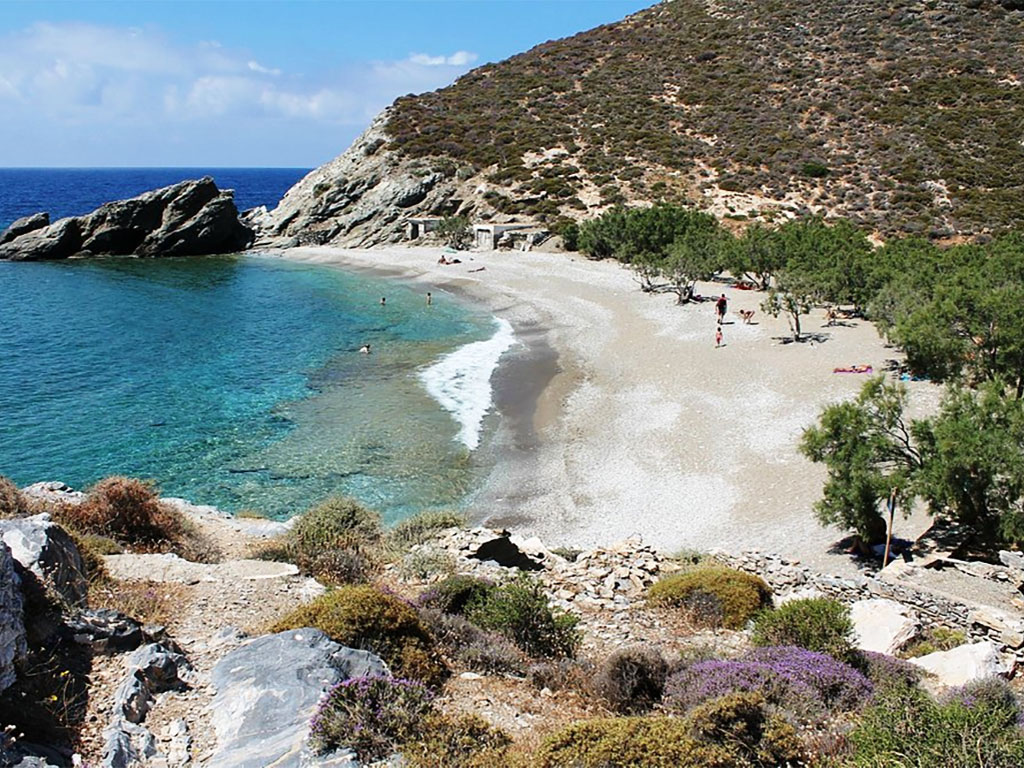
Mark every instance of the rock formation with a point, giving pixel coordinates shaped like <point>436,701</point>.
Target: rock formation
<point>12,625</point>
<point>191,218</point>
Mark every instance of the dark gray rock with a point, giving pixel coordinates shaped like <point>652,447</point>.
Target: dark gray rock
<point>45,550</point>
<point>191,218</point>
<point>506,554</point>
<point>106,631</point>
<point>126,745</point>
<point>25,225</point>
<point>153,668</point>
<point>12,619</point>
<point>268,690</point>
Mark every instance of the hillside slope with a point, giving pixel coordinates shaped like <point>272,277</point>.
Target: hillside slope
<point>904,116</point>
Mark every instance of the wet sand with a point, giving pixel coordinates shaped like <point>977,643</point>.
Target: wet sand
<point>619,416</point>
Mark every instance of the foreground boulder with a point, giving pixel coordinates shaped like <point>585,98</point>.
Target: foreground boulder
<point>964,664</point>
<point>268,690</point>
<point>46,554</point>
<point>12,625</point>
<point>191,218</point>
<point>881,625</point>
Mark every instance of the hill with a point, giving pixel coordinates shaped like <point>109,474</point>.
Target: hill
<point>902,116</point>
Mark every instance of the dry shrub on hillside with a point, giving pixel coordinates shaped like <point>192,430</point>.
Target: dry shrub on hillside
<point>12,502</point>
<point>632,679</point>
<point>129,512</point>
<point>148,602</point>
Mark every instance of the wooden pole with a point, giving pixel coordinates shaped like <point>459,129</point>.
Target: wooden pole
<point>888,535</point>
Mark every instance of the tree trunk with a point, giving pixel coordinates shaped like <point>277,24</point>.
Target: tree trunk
<point>796,326</point>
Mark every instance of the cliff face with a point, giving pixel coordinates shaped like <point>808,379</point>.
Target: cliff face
<point>903,116</point>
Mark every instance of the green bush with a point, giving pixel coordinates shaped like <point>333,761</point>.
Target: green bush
<point>740,722</point>
<point>519,610</point>
<point>636,742</point>
<point>632,679</point>
<point>456,593</point>
<point>422,527</point>
<point>426,563</point>
<point>934,639</point>
<point>365,617</point>
<point>973,728</point>
<point>336,522</point>
<point>817,624</point>
<point>463,741</point>
<point>12,502</point>
<point>713,594</point>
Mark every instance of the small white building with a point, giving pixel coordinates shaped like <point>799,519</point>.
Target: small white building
<point>420,226</point>
<point>486,236</point>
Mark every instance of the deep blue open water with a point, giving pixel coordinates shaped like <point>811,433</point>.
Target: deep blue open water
<point>237,381</point>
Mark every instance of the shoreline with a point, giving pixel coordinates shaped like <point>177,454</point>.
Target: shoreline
<point>628,421</point>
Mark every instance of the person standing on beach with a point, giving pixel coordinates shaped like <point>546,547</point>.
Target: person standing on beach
<point>718,335</point>
<point>720,307</point>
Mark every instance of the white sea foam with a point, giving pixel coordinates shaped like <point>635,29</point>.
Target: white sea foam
<point>461,381</point>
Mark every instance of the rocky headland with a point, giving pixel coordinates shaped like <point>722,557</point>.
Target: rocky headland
<point>191,218</point>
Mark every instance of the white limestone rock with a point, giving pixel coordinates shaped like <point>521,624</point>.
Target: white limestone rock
<point>964,664</point>
<point>882,626</point>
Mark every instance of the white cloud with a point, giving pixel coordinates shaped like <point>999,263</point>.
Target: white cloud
<point>255,66</point>
<point>457,59</point>
<point>93,84</point>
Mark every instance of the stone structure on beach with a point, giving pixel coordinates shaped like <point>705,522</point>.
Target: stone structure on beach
<point>191,218</point>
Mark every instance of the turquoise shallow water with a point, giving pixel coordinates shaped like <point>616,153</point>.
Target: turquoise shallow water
<point>233,381</point>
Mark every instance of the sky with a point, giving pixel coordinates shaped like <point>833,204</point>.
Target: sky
<point>242,82</point>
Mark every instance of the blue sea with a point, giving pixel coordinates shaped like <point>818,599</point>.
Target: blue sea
<point>236,381</point>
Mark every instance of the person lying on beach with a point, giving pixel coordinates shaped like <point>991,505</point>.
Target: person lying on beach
<point>747,315</point>
<point>854,369</point>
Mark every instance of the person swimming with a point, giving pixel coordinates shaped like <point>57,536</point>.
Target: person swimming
<point>365,349</point>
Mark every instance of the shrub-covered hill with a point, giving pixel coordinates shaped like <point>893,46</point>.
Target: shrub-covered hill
<point>903,115</point>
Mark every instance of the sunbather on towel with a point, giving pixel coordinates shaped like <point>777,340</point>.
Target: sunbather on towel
<point>854,369</point>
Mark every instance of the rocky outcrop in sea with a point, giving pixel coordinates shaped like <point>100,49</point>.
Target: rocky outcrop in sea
<point>191,218</point>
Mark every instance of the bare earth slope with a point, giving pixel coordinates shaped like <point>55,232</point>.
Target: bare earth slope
<point>904,116</point>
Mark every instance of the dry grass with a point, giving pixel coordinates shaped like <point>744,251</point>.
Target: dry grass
<point>149,602</point>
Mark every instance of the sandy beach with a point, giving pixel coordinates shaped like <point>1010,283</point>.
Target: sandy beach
<point>620,417</point>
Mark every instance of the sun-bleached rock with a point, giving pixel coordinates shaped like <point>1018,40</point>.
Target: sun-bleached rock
<point>45,550</point>
<point>881,625</point>
<point>964,663</point>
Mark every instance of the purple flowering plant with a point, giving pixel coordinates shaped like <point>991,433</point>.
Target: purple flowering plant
<point>806,683</point>
<point>373,715</point>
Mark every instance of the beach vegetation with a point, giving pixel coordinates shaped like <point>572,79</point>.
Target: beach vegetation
<point>632,679</point>
<point>817,624</point>
<point>455,232</point>
<point>713,595</point>
<point>425,562</point>
<point>366,617</point>
<point>519,610</point>
<point>933,640</point>
<point>457,741</point>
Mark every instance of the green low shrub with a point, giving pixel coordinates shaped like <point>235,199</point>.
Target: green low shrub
<point>632,679</point>
<point>817,624</point>
<point>713,594</point>
<point>426,563</point>
<point>365,617</point>
<point>975,727</point>
<point>455,593</point>
<point>637,742</point>
<point>335,522</point>
<point>932,640</point>
<point>741,723</point>
<point>372,715</point>
<point>463,741</point>
<point>468,647</point>
<point>422,527</point>
<point>519,610</point>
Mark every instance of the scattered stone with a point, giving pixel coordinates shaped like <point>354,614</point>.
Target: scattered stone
<point>964,664</point>
<point>106,631</point>
<point>267,691</point>
<point>152,669</point>
<point>882,626</point>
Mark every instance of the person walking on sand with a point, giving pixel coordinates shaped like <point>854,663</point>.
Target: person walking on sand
<point>718,336</point>
<point>720,306</point>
